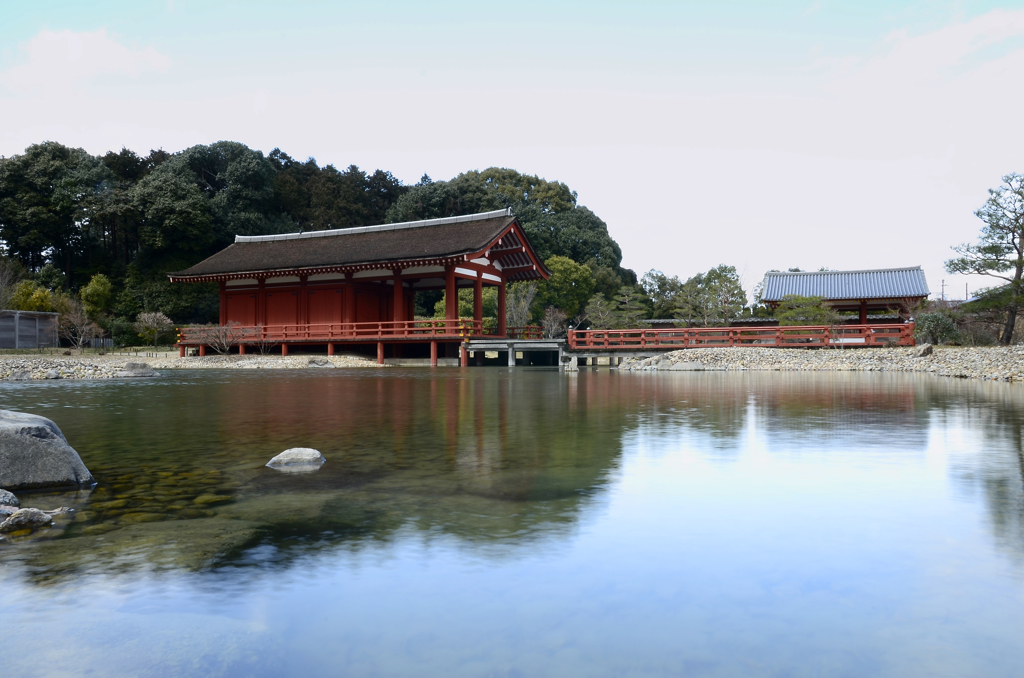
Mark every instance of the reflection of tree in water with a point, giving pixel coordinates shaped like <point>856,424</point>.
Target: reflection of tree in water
<point>996,411</point>
<point>479,457</point>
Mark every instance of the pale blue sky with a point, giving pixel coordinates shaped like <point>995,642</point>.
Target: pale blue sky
<point>765,135</point>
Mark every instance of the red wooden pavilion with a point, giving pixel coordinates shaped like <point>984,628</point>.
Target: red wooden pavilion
<point>357,285</point>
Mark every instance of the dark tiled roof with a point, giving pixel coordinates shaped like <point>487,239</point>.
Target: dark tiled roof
<point>889,283</point>
<point>390,243</point>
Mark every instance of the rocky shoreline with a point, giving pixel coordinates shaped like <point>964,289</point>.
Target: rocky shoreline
<point>991,363</point>
<point>34,367</point>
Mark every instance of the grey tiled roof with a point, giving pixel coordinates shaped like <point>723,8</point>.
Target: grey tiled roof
<point>887,283</point>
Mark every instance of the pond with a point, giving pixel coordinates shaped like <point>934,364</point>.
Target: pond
<point>525,522</point>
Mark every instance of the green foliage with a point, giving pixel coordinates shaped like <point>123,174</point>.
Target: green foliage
<point>632,307</point>
<point>568,288</point>
<point>934,328</point>
<point>599,313</point>
<point>999,252</point>
<point>122,331</point>
<point>97,296</point>
<point>30,296</point>
<point>663,292</point>
<point>489,303</point>
<point>796,311</point>
<point>711,298</point>
<point>51,278</point>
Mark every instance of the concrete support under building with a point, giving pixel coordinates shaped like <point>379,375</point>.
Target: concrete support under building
<point>511,355</point>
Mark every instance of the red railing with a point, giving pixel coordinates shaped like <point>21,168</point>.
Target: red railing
<point>232,335</point>
<point>778,337</point>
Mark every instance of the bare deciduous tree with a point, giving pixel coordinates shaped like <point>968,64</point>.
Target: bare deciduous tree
<point>153,325</point>
<point>219,337</point>
<point>554,322</point>
<point>518,301</point>
<point>74,325</point>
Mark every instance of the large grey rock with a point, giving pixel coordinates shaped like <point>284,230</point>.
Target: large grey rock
<point>26,519</point>
<point>137,370</point>
<point>8,499</point>
<point>20,375</point>
<point>297,460</point>
<point>319,362</point>
<point>34,454</point>
<point>923,350</point>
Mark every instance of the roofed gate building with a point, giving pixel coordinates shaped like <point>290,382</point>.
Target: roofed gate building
<point>357,285</point>
<point>863,292</point>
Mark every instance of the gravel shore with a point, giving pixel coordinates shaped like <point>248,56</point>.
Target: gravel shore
<point>27,367</point>
<point>996,363</point>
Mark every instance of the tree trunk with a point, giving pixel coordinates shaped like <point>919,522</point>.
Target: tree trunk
<point>1011,320</point>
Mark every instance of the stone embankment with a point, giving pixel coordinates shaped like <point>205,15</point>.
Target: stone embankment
<point>31,367</point>
<point>989,363</point>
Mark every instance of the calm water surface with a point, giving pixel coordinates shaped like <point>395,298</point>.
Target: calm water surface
<point>484,522</point>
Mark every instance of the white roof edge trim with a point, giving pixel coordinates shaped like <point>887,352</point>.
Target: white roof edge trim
<point>507,212</point>
<point>862,270</point>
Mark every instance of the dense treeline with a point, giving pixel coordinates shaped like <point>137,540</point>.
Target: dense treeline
<point>103,231</point>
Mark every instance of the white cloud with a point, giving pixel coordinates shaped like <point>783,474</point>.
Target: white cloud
<point>58,59</point>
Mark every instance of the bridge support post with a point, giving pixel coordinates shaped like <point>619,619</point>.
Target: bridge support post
<point>380,352</point>
<point>511,355</point>
<point>463,356</point>
<point>433,354</point>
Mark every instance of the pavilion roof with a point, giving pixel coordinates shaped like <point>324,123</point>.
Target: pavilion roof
<point>886,283</point>
<point>415,243</point>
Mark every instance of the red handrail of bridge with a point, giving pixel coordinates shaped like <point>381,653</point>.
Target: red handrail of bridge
<point>776,337</point>
<point>328,332</point>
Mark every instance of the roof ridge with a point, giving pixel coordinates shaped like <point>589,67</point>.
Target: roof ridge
<point>862,270</point>
<point>481,216</point>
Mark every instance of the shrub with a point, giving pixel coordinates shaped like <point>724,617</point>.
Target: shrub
<point>934,328</point>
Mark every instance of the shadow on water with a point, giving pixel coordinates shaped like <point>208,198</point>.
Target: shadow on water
<point>497,461</point>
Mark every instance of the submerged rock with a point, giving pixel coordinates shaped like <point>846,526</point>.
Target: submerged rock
<point>8,499</point>
<point>137,370</point>
<point>20,375</point>
<point>34,454</point>
<point>297,459</point>
<point>25,519</point>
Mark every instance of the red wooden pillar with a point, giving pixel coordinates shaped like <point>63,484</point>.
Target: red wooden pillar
<point>433,354</point>
<point>261,302</point>
<point>478,298</point>
<point>502,327</point>
<point>380,352</point>
<point>181,351</point>
<point>451,294</point>
<point>223,303</point>
<point>463,356</point>
<point>398,313</point>
<point>241,349</point>
<point>202,350</point>
<point>863,312</point>
<point>330,348</point>
<point>348,311</point>
<point>284,349</point>
<point>303,302</point>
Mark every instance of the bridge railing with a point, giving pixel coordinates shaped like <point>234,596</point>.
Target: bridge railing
<point>777,337</point>
<point>234,334</point>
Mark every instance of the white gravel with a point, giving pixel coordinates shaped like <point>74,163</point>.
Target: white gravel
<point>996,363</point>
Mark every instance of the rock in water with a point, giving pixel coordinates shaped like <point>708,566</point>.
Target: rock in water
<point>683,367</point>
<point>137,370</point>
<point>25,519</point>
<point>35,455</point>
<point>297,459</point>
<point>8,499</point>
<point>923,350</point>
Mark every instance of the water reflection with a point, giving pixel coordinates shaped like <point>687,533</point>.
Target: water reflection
<point>535,522</point>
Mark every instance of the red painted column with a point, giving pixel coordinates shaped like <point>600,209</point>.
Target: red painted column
<point>261,302</point>
<point>181,351</point>
<point>433,354</point>
<point>380,352</point>
<point>284,349</point>
<point>463,356</point>
<point>398,296</point>
<point>864,312</point>
<point>241,349</point>
<point>223,303</point>
<point>451,295</point>
<point>348,312</point>
<point>502,323</point>
<point>202,350</point>
<point>330,348</point>
<point>478,298</point>
<point>303,301</point>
